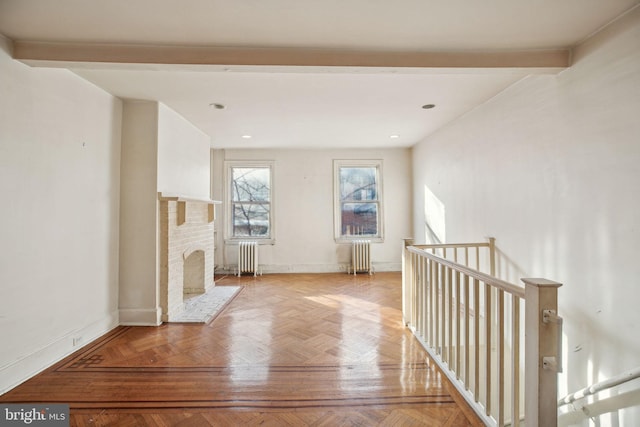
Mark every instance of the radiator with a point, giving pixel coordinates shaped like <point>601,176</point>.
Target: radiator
<point>248,257</point>
<point>361,256</point>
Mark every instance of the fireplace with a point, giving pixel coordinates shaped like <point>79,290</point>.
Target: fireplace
<point>186,250</point>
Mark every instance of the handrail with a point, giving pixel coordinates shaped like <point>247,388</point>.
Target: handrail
<point>486,278</point>
<point>627,376</point>
<point>453,245</point>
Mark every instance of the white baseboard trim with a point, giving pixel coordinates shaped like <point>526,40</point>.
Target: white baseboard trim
<point>314,268</point>
<point>20,370</point>
<point>387,266</point>
<point>140,316</point>
<point>193,291</point>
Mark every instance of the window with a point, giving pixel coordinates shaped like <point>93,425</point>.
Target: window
<point>249,200</point>
<point>358,199</point>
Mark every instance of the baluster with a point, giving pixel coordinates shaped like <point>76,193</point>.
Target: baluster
<point>492,256</point>
<point>434,296</point>
<point>437,308</point>
<point>500,356</point>
<point>418,293</point>
<point>467,332</point>
<point>476,337</point>
<point>488,336</point>
<point>457,316</point>
<point>423,298</point>
<point>427,310</point>
<point>515,364</point>
<point>414,293</point>
<point>443,312</point>
<point>450,317</point>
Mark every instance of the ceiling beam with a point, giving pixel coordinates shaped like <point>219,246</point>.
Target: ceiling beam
<point>61,54</point>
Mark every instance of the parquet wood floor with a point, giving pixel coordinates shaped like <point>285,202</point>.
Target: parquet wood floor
<point>292,350</point>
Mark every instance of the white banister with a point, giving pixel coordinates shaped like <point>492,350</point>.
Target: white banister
<point>572,412</point>
<point>483,277</point>
<point>470,324</point>
<point>627,376</point>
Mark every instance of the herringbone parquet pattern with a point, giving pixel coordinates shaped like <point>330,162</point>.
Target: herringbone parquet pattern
<point>297,349</point>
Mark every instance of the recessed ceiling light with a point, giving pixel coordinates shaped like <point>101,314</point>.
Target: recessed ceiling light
<point>394,136</point>
<point>217,106</point>
<point>246,136</point>
<point>428,106</point>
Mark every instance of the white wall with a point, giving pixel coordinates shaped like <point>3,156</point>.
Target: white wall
<point>139,275</point>
<point>303,204</point>
<point>551,168</point>
<point>183,156</point>
<point>59,183</point>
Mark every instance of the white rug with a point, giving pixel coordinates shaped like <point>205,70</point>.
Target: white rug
<point>203,308</point>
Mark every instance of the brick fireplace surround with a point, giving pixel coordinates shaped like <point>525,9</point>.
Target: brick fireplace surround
<point>186,250</point>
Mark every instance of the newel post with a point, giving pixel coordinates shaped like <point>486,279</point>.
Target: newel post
<point>492,256</point>
<point>406,316</point>
<point>543,335</point>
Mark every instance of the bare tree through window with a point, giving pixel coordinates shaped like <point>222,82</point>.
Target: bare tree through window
<point>250,199</point>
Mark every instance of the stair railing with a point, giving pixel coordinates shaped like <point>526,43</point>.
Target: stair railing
<point>594,409</point>
<point>472,325</point>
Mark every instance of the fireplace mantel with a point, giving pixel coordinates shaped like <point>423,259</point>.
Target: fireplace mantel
<point>179,198</point>
<point>182,205</point>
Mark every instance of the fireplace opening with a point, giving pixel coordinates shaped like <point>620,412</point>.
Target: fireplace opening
<point>194,273</point>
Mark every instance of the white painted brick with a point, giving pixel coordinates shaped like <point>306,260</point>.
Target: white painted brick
<point>195,234</point>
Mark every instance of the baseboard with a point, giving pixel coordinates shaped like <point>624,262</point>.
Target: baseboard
<point>140,316</point>
<point>313,268</point>
<point>193,291</point>
<point>387,266</point>
<point>304,268</point>
<point>18,371</point>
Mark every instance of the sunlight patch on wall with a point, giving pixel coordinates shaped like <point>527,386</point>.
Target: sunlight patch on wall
<point>434,218</point>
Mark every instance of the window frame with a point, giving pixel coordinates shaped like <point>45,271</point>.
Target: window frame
<point>337,202</point>
<point>230,165</point>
